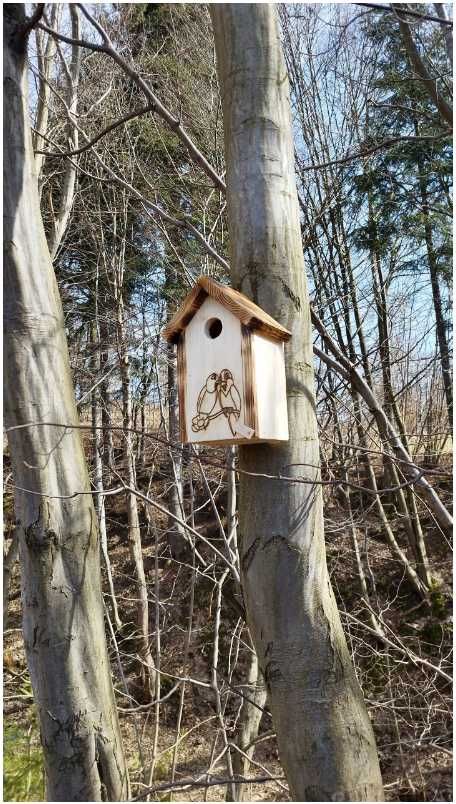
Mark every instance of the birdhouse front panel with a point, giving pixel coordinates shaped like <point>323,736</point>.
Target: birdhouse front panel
<point>214,395</point>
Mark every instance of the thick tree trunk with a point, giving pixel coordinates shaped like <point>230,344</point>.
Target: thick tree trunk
<point>59,545</point>
<point>324,734</point>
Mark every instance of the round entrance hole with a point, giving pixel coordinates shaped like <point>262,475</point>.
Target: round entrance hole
<point>213,327</point>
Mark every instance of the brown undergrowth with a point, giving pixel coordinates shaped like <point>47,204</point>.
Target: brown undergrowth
<point>410,704</point>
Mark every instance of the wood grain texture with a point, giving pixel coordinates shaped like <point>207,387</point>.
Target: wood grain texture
<point>250,417</point>
<point>181,380</point>
<point>185,313</point>
<point>243,308</point>
<point>206,358</point>
<point>269,389</point>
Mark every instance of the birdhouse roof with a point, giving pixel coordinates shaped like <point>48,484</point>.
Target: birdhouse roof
<point>245,310</point>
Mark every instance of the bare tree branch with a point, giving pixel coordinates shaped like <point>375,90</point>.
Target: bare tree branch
<point>410,12</point>
<point>173,122</point>
<point>32,20</point>
<point>420,68</point>
<point>107,130</point>
<point>372,150</point>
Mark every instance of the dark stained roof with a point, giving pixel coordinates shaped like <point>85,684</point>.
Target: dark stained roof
<point>245,310</point>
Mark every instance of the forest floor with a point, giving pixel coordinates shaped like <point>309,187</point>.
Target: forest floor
<point>410,706</point>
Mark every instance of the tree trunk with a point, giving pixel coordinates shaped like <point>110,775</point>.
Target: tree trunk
<point>346,369</point>
<point>323,730</point>
<point>421,72</point>
<point>9,560</point>
<point>45,55</point>
<point>254,689</point>
<point>436,297</point>
<point>59,544</point>
<point>249,724</point>
<point>62,217</point>
<point>97,438</point>
<point>447,31</point>
<point>147,667</point>
<point>176,533</point>
<point>106,403</point>
<point>405,500</point>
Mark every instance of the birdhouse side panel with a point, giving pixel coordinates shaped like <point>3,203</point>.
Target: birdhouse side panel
<point>270,389</point>
<point>214,384</point>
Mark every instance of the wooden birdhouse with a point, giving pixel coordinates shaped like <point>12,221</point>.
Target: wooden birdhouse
<point>230,366</point>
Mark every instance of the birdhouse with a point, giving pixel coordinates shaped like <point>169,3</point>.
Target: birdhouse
<point>230,368</point>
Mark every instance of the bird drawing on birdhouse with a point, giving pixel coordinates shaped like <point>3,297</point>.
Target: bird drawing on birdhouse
<point>230,366</point>
<point>218,396</point>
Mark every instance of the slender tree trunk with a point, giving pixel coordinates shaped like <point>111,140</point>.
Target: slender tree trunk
<point>323,730</point>
<point>389,402</point>
<point>97,438</point>
<point>134,531</point>
<point>176,535</point>
<point>254,688</point>
<point>231,501</point>
<point>100,508</point>
<point>437,299</point>
<point>59,543</point>
<point>339,239</point>
<point>447,30</point>
<point>105,402</point>
<point>396,550</point>
<point>45,57</point>
<point>346,369</point>
<point>406,502</point>
<point>405,499</point>
<point>420,70</point>
<point>145,358</point>
<point>249,723</point>
<point>9,561</point>
<point>69,182</point>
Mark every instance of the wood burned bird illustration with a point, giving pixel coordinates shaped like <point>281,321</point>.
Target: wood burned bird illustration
<point>229,397</point>
<point>206,403</point>
<point>218,397</point>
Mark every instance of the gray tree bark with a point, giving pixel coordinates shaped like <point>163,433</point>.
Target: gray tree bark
<point>447,31</point>
<point>97,439</point>
<point>59,543</point>
<point>45,55</point>
<point>255,691</point>
<point>249,724</point>
<point>442,339</point>
<point>176,532</point>
<point>146,662</point>
<point>9,560</point>
<point>62,217</point>
<point>325,738</point>
<point>420,69</point>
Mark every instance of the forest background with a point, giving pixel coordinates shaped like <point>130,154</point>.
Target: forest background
<point>131,220</point>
